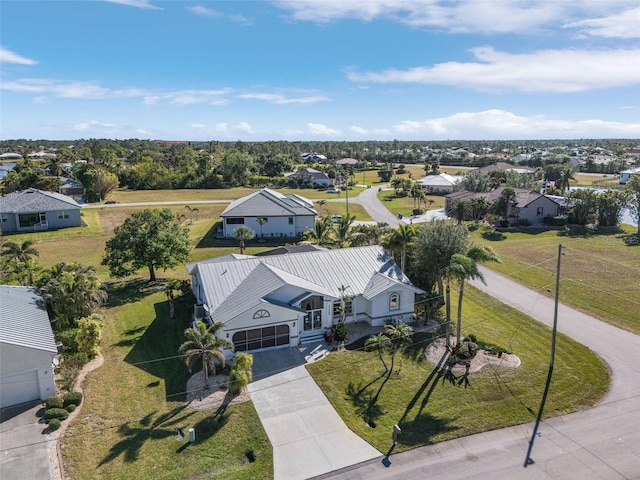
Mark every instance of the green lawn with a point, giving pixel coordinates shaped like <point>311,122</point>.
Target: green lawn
<point>404,205</point>
<point>599,273</point>
<point>135,400</point>
<point>430,406</point>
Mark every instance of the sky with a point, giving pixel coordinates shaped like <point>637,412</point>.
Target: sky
<point>302,70</point>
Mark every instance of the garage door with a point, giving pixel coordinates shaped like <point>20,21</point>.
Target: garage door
<point>265,337</point>
<point>19,388</point>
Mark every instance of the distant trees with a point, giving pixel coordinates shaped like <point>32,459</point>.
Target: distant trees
<point>151,238</point>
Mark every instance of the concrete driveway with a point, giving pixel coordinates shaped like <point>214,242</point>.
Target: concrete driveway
<point>308,437</point>
<point>23,446</point>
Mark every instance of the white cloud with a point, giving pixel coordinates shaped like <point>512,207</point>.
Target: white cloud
<point>358,130</point>
<point>555,71</point>
<point>620,25</point>
<point>280,99</point>
<point>95,125</point>
<point>40,100</point>
<point>7,56</point>
<point>223,128</point>
<point>96,128</point>
<point>495,16</point>
<point>211,13</point>
<point>322,130</point>
<point>145,4</point>
<point>500,124</point>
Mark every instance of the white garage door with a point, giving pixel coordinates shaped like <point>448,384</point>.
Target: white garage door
<point>19,388</point>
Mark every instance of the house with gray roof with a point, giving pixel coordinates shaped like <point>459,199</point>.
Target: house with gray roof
<point>27,347</point>
<point>285,300</point>
<point>310,177</point>
<point>35,210</point>
<point>269,214</point>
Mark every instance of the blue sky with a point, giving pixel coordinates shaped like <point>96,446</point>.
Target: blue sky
<point>320,69</point>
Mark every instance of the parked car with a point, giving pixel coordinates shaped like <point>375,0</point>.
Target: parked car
<point>333,190</point>
<point>336,218</point>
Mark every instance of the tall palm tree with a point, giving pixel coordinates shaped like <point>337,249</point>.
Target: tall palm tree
<point>460,209</point>
<point>566,176</point>
<point>379,343</point>
<point>465,267</point>
<point>399,241</point>
<point>399,336</point>
<point>243,234</point>
<point>321,232</point>
<point>20,252</point>
<point>321,204</point>
<point>202,345</point>
<point>261,221</point>
<point>343,230</point>
<point>240,374</point>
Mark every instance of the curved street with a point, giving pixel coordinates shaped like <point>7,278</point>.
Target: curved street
<point>602,442</point>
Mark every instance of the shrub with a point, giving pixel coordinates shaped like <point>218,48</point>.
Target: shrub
<point>54,424</point>
<point>72,398</point>
<point>339,332</point>
<point>418,211</point>
<point>559,221</point>
<point>68,339</point>
<point>54,402</point>
<point>88,336</point>
<point>70,408</point>
<point>59,413</point>
<point>524,222</point>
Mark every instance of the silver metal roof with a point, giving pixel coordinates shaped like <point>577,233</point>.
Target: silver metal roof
<point>24,320</point>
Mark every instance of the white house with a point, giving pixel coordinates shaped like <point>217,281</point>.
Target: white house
<point>442,183</point>
<point>269,214</point>
<point>625,175</point>
<point>27,347</point>
<point>284,300</point>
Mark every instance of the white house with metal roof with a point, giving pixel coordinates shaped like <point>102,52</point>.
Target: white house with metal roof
<point>269,214</point>
<point>27,347</point>
<point>442,183</point>
<point>33,210</point>
<point>284,300</point>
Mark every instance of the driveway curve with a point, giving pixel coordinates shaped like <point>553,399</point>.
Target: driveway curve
<point>602,442</point>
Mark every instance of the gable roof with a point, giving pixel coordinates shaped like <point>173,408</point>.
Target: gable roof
<point>287,249</point>
<point>233,285</point>
<point>506,166</point>
<point>24,321</point>
<point>34,200</point>
<point>269,203</point>
<point>524,196</point>
<point>311,173</point>
<point>441,180</point>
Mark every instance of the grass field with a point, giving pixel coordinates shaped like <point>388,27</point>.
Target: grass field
<point>404,205</point>
<point>600,275</point>
<point>135,401</point>
<point>431,406</point>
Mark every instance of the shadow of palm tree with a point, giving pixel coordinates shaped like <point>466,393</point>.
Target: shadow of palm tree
<point>432,380</point>
<point>420,430</point>
<point>135,434</point>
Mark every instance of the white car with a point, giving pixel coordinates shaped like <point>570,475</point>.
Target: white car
<point>333,190</point>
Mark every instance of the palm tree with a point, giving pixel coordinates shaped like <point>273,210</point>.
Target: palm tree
<point>566,175</point>
<point>460,210</point>
<point>191,212</point>
<point>380,343</point>
<point>343,230</point>
<point>20,252</point>
<point>321,233</point>
<point>399,336</point>
<point>240,374</point>
<point>322,204</point>
<point>464,267</point>
<point>479,207</point>
<point>400,239</point>
<point>243,234</point>
<point>202,345</point>
<point>261,221</point>
<point>27,272</point>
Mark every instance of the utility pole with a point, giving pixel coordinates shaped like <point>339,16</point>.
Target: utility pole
<point>529,460</point>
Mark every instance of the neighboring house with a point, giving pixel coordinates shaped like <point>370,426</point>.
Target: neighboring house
<point>32,209</point>
<point>311,176</point>
<point>306,247</point>
<point>72,188</point>
<point>351,162</point>
<point>283,215</point>
<point>307,156</point>
<point>625,175</point>
<point>442,183</point>
<point>284,300</point>
<point>506,166</point>
<point>530,206</point>
<point>27,347</point>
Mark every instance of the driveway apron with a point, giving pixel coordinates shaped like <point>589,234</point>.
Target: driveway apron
<point>308,437</point>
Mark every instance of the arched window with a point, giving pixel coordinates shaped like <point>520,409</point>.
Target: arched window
<point>261,314</point>
<point>394,301</point>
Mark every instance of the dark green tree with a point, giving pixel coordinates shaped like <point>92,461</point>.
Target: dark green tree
<point>151,238</point>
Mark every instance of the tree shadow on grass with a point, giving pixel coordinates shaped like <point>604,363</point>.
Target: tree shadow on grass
<point>422,429</point>
<point>155,351</point>
<point>366,402</point>
<point>135,434</point>
<point>126,291</point>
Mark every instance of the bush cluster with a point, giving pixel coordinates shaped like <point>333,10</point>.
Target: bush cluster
<point>72,398</point>
<point>59,413</point>
<point>54,402</point>
<point>54,424</point>
<point>559,221</point>
<point>487,346</point>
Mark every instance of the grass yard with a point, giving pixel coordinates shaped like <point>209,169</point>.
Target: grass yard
<point>430,406</point>
<point>134,402</point>
<point>404,205</point>
<point>599,273</point>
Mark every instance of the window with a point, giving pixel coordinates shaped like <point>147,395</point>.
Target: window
<point>261,314</point>
<point>63,214</point>
<point>337,308</point>
<point>235,221</point>
<point>394,301</point>
<point>290,220</point>
<point>540,211</point>
<point>4,218</point>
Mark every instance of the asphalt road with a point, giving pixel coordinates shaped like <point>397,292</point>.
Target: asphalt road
<point>602,442</point>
